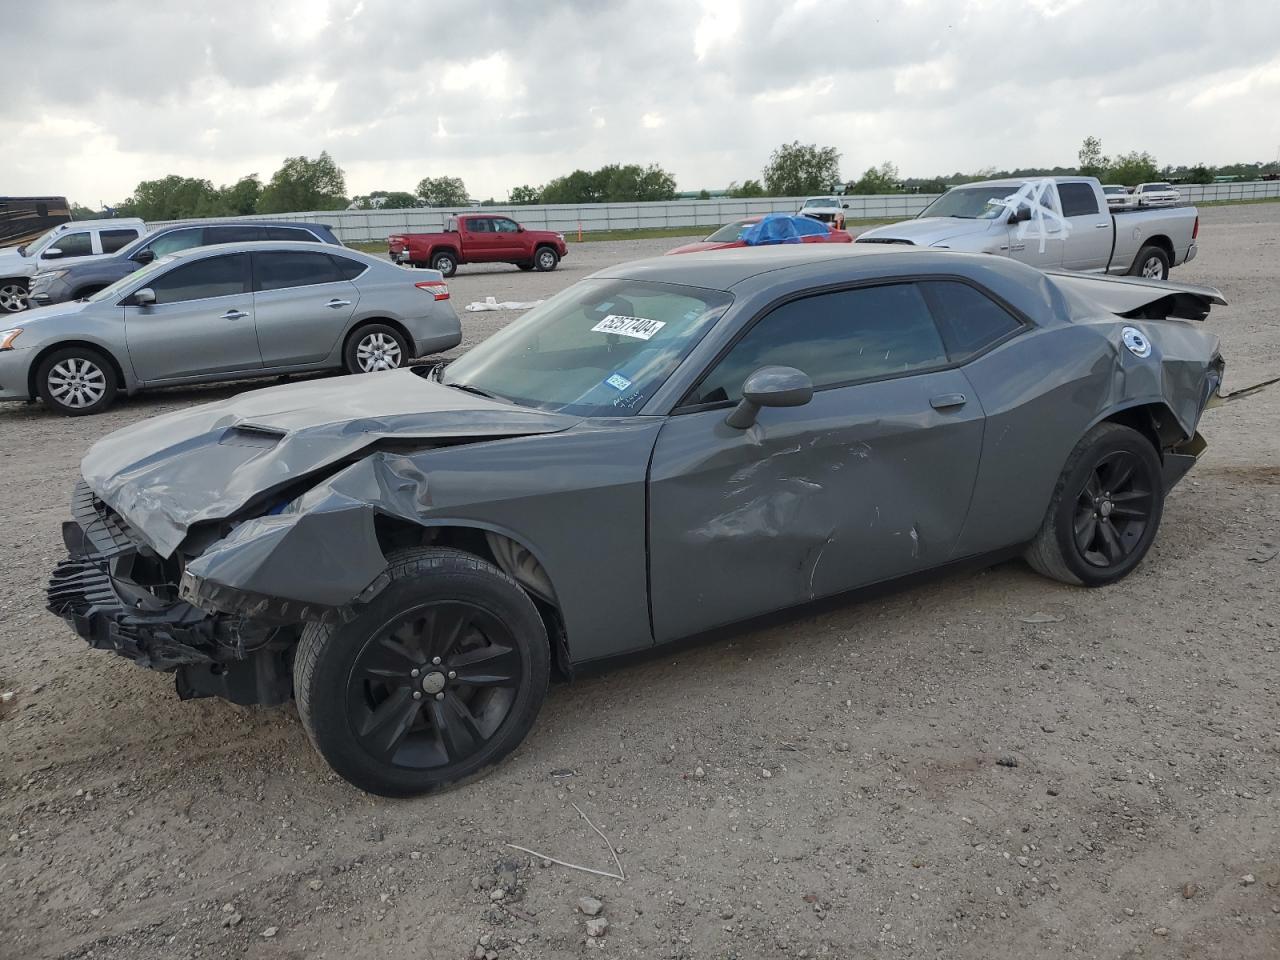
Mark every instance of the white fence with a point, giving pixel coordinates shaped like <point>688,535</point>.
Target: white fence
<point>366,225</point>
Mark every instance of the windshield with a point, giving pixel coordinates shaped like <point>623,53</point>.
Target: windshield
<point>601,348</point>
<point>117,288</point>
<point>35,246</point>
<point>1115,190</point>
<point>971,203</point>
<point>729,232</point>
<point>820,202</point>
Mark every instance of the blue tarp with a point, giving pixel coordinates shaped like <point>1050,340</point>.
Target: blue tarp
<point>781,228</point>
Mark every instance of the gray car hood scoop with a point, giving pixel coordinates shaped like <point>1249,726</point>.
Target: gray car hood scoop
<point>169,473</point>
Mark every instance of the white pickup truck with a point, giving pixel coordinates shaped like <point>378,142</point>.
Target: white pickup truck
<point>1051,223</point>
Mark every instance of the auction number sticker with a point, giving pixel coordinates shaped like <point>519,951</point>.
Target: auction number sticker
<point>637,328</point>
<point>618,381</point>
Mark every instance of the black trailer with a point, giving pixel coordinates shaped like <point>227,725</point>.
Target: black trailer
<point>23,219</point>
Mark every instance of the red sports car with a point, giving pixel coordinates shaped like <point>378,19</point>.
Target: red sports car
<point>767,231</point>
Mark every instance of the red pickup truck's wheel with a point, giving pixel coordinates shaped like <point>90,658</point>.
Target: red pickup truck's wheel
<point>545,259</point>
<point>445,262</point>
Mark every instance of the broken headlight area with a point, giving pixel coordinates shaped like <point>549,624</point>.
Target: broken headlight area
<point>120,595</point>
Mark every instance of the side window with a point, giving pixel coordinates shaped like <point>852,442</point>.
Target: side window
<point>970,321</point>
<point>503,225</point>
<point>233,234</point>
<point>113,240</point>
<point>479,225</point>
<point>348,269</point>
<point>291,233</point>
<point>836,338</point>
<point>1078,199</point>
<point>276,270</point>
<point>73,245</point>
<point>211,277</point>
<point>178,240</point>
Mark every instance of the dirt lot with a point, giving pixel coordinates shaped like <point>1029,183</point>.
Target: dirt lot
<point>989,766</point>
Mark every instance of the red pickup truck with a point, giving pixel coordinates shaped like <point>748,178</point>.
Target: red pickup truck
<point>478,238</point>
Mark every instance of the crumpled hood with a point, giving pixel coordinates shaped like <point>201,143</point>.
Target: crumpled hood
<point>169,473</point>
<point>930,230</point>
<point>14,264</point>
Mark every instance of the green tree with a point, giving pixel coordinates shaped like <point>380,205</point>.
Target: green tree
<point>171,198</point>
<point>240,199</point>
<point>1092,161</point>
<point>305,184</point>
<point>386,200</point>
<point>79,212</point>
<point>796,169</point>
<point>881,179</point>
<point>704,194</point>
<point>1199,174</point>
<point>526,194</point>
<point>614,183</point>
<point>1133,168</point>
<point>442,192</point>
<point>748,188</point>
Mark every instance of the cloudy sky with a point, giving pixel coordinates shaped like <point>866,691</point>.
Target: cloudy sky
<point>101,94</point>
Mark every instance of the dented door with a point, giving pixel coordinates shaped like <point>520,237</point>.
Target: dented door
<point>864,483</point>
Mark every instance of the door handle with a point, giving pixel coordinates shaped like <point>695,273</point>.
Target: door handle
<point>947,401</point>
<point>335,303</point>
<point>1101,226</point>
<point>234,315</point>
<point>1018,246</point>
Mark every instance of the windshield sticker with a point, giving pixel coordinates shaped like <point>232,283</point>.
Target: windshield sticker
<point>618,381</point>
<point>637,328</point>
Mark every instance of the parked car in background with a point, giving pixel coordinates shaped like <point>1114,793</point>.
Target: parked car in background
<point>1117,195</point>
<point>826,209</point>
<point>773,229</point>
<point>479,238</point>
<point>1000,217</point>
<point>65,244</point>
<point>226,312</point>
<point>1155,195</point>
<point>667,448</point>
<point>60,282</point>
<point>23,219</point>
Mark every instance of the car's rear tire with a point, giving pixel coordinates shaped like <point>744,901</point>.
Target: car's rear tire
<point>545,259</point>
<point>76,381</point>
<point>1105,510</point>
<point>433,682</point>
<point>375,347</point>
<point>445,262</point>
<point>13,296</point>
<point>1151,263</point>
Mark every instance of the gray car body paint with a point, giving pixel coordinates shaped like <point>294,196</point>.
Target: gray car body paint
<point>808,502</point>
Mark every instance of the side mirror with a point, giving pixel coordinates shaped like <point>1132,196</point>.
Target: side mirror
<point>145,297</point>
<point>53,253</point>
<point>1020,215</point>
<point>144,256</point>
<point>770,387</point>
<point>845,205</point>
<point>519,228</point>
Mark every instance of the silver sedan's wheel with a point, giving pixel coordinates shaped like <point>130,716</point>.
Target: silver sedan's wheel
<point>13,296</point>
<point>77,382</point>
<point>375,347</point>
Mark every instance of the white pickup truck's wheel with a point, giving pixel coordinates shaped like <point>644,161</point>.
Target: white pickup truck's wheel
<point>13,296</point>
<point>1152,263</point>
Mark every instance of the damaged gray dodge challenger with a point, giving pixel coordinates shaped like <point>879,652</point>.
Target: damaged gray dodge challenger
<point>664,448</point>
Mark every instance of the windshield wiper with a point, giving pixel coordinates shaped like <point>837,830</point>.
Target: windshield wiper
<point>478,392</point>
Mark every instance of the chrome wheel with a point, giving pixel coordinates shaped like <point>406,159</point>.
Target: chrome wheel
<point>77,383</point>
<point>13,297</point>
<point>378,351</point>
<point>1153,268</point>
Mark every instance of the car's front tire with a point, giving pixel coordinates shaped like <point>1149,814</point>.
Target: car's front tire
<point>1152,263</point>
<point>434,682</point>
<point>375,347</point>
<point>76,381</point>
<point>13,296</point>
<point>545,259</point>
<point>1105,510</point>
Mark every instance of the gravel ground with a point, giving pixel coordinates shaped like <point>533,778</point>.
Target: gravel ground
<point>988,766</point>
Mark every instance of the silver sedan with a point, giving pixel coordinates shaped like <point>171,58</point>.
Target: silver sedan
<point>227,312</point>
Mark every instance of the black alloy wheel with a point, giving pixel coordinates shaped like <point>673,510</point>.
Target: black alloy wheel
<point>1113,509</point>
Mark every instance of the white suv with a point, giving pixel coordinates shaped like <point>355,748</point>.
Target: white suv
<point>1155,195</point>
<point>76,240</point>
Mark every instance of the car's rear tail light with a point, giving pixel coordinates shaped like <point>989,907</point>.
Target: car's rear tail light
<point>1195,231</point>
<point>438,288</point>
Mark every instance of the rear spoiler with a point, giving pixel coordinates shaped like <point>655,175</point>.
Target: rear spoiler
<point>1138,298</point>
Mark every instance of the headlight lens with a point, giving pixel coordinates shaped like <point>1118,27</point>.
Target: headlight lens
<point>8,336</point>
